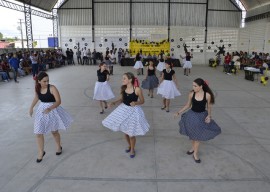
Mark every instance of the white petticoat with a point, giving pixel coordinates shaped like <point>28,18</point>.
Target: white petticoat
<point>138,65</point>
<point>168,89</point>
<point>187,65</point>
<point>56,119</point>
<point>161,66</point>
<point>127,119</point>
<point>103,91</point>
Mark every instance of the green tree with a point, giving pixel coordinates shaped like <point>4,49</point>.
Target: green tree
<point>1,36</point>
<point>10,39</point>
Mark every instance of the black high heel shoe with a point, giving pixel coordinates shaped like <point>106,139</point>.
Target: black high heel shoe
<point>59,153</point>
<point>128,150</point>
<point>132,155</point>
<point>196,160</point>
<point>39,160</point>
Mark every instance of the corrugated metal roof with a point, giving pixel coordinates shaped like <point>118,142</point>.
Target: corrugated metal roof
<point>46,5</point>
<point>251,4</point>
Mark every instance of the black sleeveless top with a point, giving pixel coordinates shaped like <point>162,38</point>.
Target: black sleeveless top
<point>47,97</point>
<point>138,58</point>
<point>151,72</point>
<point>102,77</point>
<point>168,76</point>
<point>128,98</point>
<point>198,106</point>
<point>188,58</point>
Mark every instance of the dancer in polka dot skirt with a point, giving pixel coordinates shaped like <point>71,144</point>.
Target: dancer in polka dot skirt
<point>128,117</point>
<point>196,123</point>
<point>151,81</point>
<point>50,116</point>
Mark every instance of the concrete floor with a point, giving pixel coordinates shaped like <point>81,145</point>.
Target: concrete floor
<point>93,157</point>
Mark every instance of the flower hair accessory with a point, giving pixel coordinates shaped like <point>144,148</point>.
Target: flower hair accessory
<point>206,82</point>
<point>136,82</point>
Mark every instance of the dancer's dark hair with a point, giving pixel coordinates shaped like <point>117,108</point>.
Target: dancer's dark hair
<point>129,76</point>
<point>39,77</point>
<point>206,88</point>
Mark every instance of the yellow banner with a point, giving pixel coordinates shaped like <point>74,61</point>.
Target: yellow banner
<point>135,46</point>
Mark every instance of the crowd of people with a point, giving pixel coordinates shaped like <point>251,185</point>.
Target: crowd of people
<point>239,60</point>
<point>21,63</point>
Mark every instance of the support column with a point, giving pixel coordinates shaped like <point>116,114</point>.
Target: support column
<point>130,20</point>
<point>55,28</point>
<point>206,22</point>
<point>169,19</point>
<point>206,33</point>
<point>28,26</point>
<point>21,33</point>
<point>93,22</point>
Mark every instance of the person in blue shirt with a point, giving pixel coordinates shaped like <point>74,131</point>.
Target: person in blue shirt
<point>14,64</point>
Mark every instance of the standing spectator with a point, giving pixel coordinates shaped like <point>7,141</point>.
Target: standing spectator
<point>68,56</point>
<point>84,52</point>
<point>227,61</point>
<point>101,57</point>
<point>112,57</point>
<point>79,56</point>
<point>34,61</point>
<point>71,57</point>
<point>14,63</point>
<point>94,57</point>
<point>119,54</point>
<point>89,55</point>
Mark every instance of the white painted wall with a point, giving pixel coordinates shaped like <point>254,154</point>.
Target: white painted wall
<point>255,36</point>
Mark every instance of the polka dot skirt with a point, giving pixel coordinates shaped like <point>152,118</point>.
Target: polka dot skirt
<point>192,124</point>
<point>127,119</point>
<point>56,119</point>
<point>150,82</point>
